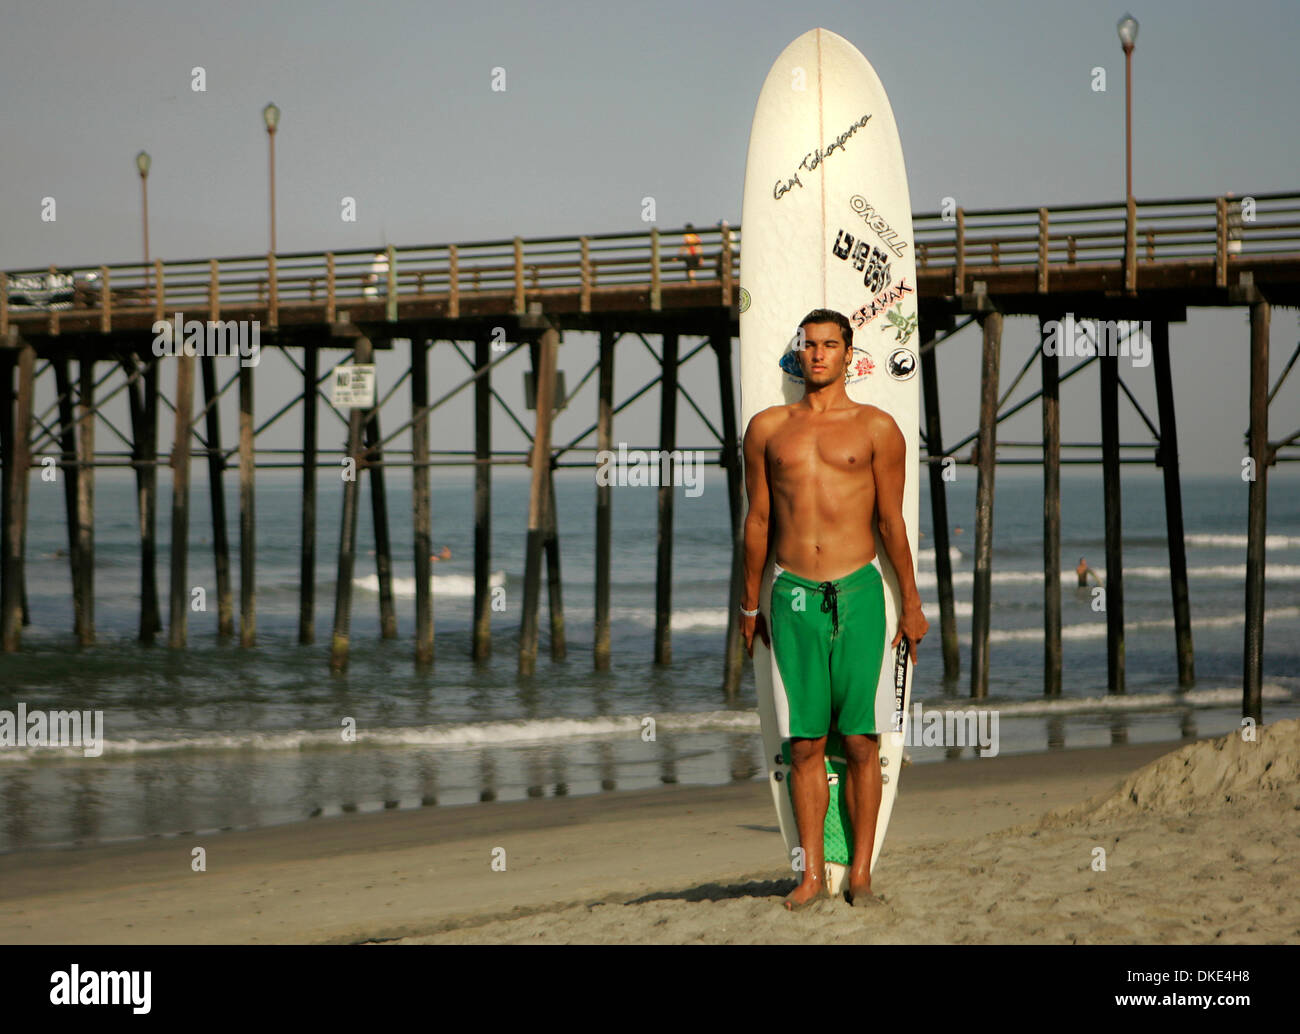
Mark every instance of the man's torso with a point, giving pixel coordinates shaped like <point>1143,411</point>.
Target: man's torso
<point>823,490</point>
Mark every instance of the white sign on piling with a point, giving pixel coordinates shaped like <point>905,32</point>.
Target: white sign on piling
<point>353,386</point>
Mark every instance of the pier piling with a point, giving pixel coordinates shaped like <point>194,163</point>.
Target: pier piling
<point>307,544</point>
<point>991,324</point>
<point>604,523</point>
<point>544,378</point>
<point>421,504</point>
<point>340,641</point>
<point>939,506</point>
<point>667,443</point>
<point>86,498</point>
<point>247,512</point>
<point>1167,460</point>
<point>179,600</point>
<point>1052,657</point>
<point>216,466</point>
<point>481,646</point>
<point>1114,526</point>
<point>379,518</point>
<point>1252,700</point>
<point>720,340</point>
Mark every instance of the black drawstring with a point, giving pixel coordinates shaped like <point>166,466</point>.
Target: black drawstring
<point>830,601</point>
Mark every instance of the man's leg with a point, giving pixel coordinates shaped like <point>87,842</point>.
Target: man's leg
<point>863,798</point>
<point>811,798</point>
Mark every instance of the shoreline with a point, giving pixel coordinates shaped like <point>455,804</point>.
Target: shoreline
<point>427,873</point>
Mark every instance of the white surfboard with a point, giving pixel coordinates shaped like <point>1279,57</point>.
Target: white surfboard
<point>827,223</point>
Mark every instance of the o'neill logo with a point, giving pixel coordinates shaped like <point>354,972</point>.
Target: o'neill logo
<point>888,236</point>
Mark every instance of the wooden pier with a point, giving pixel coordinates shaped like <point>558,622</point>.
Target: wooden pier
<point>1149,260</point>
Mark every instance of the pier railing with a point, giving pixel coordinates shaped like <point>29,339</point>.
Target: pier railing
<point>1217,230</point>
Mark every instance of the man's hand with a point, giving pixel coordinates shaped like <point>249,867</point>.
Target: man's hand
<point>748,626</point>
<point>912,625</point>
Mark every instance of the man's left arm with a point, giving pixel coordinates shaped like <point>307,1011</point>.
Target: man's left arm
<point>889,467</point>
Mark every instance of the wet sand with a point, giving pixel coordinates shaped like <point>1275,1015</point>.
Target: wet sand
<point>995,850</point>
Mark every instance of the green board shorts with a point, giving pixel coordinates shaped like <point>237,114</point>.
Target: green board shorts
<point>828,642</point>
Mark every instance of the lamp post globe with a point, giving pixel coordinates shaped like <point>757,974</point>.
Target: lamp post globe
<point>1128,31</point>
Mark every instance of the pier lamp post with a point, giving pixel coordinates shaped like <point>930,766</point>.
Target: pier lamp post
<point>142,162</point>
<point>271,114</point>
<point>1128,34</point>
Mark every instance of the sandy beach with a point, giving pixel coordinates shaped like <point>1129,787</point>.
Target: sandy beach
<point>1198,843</point>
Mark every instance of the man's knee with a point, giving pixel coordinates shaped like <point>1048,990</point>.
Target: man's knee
<point>861,748</point>
<point>807,751</point>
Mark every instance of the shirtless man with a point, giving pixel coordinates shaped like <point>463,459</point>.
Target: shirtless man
<point>816,472</point>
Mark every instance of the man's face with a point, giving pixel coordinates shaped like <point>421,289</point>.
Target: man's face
<point>823,357</point>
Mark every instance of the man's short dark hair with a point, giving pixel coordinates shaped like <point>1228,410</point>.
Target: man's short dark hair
<point>830,316</point>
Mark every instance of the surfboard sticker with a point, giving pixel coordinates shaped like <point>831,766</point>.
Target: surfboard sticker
<point>902,364</point>
<point>827,222</point>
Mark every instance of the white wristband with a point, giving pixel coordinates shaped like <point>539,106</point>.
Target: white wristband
<point>749,613</point>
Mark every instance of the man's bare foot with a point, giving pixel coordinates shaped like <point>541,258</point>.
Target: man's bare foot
<point>805,894</point>
<point>859,894</point>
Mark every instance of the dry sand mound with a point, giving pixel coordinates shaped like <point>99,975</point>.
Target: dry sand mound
<point>1228,772</point>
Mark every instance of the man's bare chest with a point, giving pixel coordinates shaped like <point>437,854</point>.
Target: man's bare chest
<point>805,449</point>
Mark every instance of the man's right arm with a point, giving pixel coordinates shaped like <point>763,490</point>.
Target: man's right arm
<point>756,519</point>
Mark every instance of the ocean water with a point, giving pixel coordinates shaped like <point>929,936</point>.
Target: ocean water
<point>217,736</point>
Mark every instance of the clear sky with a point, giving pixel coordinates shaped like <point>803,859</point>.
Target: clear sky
<point>605,103</point>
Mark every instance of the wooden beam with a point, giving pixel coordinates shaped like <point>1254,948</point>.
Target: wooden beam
<point>421,503</point>
<point>1167,460</point>
<point>453,277</point>
<point>216,465</point>
<point>656,289</point>
<point>541,463</point>
<point>939,507</point>
<point>68,464</point>
<point>1052,656</point>
<point>1252,699</point>
<point>86,499</point>
<point>307,538</point>
<point>667,442</point>
<point>247,512</point>
<point>481,647</point>
<point>180,462</point>
<point>379,521</point>
<point>555,595</point>
<point>519,277</point>
<point>604,516</point>
<point>10,596</point>
<point>340,642</point>
<point>1043,255</point>
<point>959,263</point>
<point>732,462</point>
<point>1115,680</point>
<point>986,450</point>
